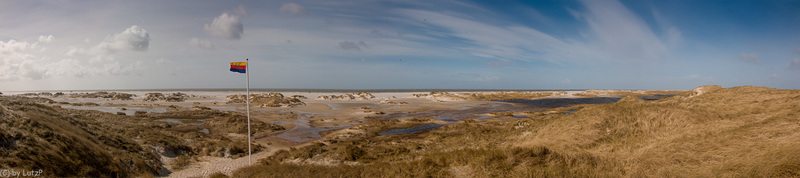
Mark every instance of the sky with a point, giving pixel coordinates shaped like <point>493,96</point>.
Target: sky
<point>398,44</point>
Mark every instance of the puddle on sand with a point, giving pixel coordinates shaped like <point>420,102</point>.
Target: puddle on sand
<point>303,132</point>
<point>411,130</point>
<point>345,106</point>
<point>468,111</point>
<point>451,116</point>
<point>174,121</point>
<point>563,102</point>
<point>655,97</point>
<point>114,110</point>
<point>181,121</point>
<point>447,119</point>
<point>205,131</point>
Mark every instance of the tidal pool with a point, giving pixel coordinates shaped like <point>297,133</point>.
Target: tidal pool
<point>114,110</point>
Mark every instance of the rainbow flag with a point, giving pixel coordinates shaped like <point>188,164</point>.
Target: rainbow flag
<point>240,67</point>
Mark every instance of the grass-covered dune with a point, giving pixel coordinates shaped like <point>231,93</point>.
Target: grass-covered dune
<point>36,134</point>
<point>707,132</point>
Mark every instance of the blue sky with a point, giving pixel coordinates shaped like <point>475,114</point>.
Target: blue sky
<point>68,45</point>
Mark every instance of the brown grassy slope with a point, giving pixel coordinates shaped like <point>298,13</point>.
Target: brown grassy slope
<point>65,142</point>
<point>730,132</point>
<point>742,131</point>
<point>34,136</point>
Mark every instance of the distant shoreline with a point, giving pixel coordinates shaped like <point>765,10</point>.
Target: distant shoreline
<point>306,90</point>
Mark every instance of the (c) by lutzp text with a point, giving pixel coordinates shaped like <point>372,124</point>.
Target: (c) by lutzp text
<point>20,173</point>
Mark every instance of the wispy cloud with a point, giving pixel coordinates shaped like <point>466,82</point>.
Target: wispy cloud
<point>486,78</point>
<point>226,25</point>
<point>615,34</point>
<point>749,58</point>
<point>794,64</point>
<point>620,42</point>
<point>498,63</point>
<point>495,42</point>
<point>292,9</point>
<point>566,81</point>
<point>196,42</point>
<point>623,34</point>
<point>758,48</point>
<point>353,45</point>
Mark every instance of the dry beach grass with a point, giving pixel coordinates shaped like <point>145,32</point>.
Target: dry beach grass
<point>63,142</point>
<point>708,132</point>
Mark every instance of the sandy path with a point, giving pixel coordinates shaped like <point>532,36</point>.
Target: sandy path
<point>211,165</point>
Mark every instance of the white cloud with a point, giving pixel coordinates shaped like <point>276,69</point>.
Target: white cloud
<point>293,9</point>
<point>23,60</point>
<point>795,64</point>
<point>353,45</point>
<point>13,46</point>
<point>46,39</point>
<point>620,32</point>
<point>505,43</point>
<point>201,43</point>
<point>749,58</point>
<point>226,25</point>
<point>134,38</point>
<point>17,61</point>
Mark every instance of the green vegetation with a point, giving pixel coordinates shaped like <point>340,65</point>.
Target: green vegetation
<point>707,132</point>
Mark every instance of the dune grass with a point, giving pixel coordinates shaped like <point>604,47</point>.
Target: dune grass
<point>78,143</point>
<point>728,132</point>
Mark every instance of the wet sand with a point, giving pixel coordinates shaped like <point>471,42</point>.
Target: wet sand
<point>318,117</point>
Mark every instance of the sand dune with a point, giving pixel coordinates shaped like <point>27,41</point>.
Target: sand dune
<point>203,133</point>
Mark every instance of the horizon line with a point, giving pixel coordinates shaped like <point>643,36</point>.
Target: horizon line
<point>312,90</point>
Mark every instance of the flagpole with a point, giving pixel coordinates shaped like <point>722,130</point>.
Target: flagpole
<point>249,150</point>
